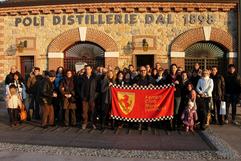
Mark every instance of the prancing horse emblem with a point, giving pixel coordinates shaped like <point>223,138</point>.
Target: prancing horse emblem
<point>126,101</point>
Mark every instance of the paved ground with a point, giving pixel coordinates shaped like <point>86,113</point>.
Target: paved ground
<point>231,134</point>
<point>59,137</point>
<point>127,139</point>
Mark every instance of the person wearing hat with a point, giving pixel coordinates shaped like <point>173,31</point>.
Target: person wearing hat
<point>46,95</point>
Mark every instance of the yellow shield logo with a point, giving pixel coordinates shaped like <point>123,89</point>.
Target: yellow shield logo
<point>126,101</point>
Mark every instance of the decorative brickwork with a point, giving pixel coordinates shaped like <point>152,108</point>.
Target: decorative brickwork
<point>68,38</point>
<point>61,42</point>
<point>223,38</point>
<point>192,36</point>
<point>187,38</point>
<point>102,39</point>
<point>152,7</point>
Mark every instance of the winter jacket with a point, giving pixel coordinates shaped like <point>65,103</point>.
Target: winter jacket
<point>33,83</point>
<point>205,86</point>
<point>232,84</point>
<point>219,87</point>
<point>143,81</point>
<point>46,90</point>
<point>89,88</point>
<point>21,89</point>
<point>170,79</point>
<point>9,78</point>
<point>105,91</point>
<point>67,86</point>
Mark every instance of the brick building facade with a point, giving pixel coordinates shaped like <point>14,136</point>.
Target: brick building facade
<point>129,32</point>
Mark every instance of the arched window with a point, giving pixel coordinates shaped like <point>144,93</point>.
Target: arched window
<point>207,54</point>
<point>84,52</point>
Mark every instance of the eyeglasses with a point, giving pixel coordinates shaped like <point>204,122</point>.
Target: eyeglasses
<point>142,70</point>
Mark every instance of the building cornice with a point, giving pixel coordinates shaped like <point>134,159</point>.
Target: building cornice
<point>127,7</point>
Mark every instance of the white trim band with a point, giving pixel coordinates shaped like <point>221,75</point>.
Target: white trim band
<point>55,55</point>
<point>177,54</point>
<point>112,54</point>
<point>232,55</point>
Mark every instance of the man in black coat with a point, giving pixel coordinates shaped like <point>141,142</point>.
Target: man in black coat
<point>143,80</point>
<point>217,94</point>
<point>33,83</point>
<point>46,95</point>
<point>232,92</point>
<point>9,78</point>
<point>88,96</point>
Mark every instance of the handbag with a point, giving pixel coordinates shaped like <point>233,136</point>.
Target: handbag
<point>23,113</point>
<point>222,110</point>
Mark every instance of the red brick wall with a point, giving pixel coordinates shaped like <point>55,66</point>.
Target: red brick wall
<point>109,61</point>
<point>54,63</point>
<point>187,38</point>
<point>102,39</point>
<point>233,61</point>
<point>179,61</point>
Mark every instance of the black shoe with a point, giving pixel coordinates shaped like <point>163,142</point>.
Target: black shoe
<point>45,127</point>
<point>214,122</point>
<point>202,128</point>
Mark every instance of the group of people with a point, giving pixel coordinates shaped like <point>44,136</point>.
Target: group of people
<point>68,98</point>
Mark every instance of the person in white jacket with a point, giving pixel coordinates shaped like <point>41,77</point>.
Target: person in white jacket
<point>204,89</point>
<point>205,85</point>
<point>14,103</point>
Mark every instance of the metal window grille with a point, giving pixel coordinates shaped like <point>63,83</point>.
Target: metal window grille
<point>205,63</point>
<point>86,52</point>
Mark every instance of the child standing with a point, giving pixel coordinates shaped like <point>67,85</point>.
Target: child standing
<point>189,116</point>
<point>13,104</point>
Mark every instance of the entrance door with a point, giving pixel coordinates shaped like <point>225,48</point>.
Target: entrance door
<point>143,60</point>
<point>27,63</point>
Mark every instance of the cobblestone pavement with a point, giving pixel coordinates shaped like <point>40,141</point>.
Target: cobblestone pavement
<point>30,142</point>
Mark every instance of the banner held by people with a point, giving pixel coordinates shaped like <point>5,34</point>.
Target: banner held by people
<point>142,103</point>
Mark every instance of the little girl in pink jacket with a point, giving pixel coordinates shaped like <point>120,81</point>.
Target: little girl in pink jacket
<point>189,116</point>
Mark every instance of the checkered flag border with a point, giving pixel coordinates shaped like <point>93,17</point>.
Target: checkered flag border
<point>142,119</point>
<point>136,87</point>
